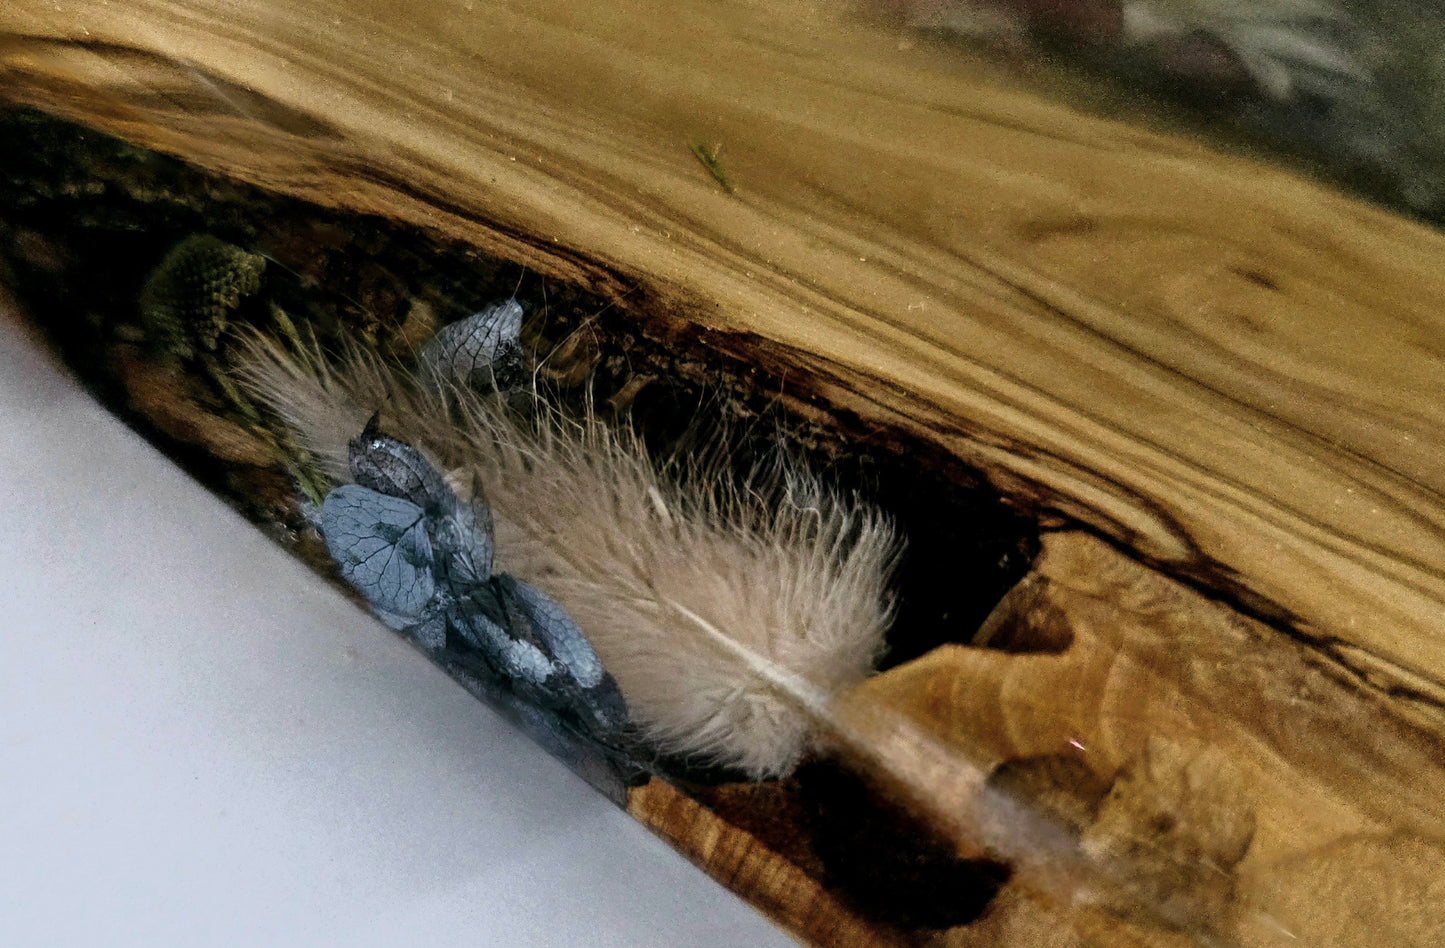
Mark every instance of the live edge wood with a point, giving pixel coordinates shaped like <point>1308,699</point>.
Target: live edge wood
<point>1236,375</point>
<point>1253,788</point>
<point>735,858</point>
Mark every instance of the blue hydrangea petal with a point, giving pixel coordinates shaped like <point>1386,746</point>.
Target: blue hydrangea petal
<point>460,531</point>
<point>480,351</point>
<point>381,545</point>
<point>395,468</point>
<point>557,631</point>
<point>463,542</point>
<point>515,658</point>
<point>431,631</point>
<point>587,689</point>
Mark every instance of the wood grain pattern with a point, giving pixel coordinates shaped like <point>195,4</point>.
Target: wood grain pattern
<point>1231,372</point>
<point>1236,373</point>
<point>735,858</point>
<point>1239,791</point>
<point>1242,770</point>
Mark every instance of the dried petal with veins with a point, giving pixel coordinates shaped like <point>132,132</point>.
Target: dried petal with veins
<point>394,468</point>
<point>561,638</point>
<point>422,556</point>
<point>381,545</point>
<point>460,531</point>
<point>560,635</point>
<point>461,536</point>
<point>481,351</point>
<point>482,621</point>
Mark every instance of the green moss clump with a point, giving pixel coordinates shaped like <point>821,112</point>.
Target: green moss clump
<point>188,300</point>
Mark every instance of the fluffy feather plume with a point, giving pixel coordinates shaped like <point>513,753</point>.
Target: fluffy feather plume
<point>734,615</point>
<point>729,612</point>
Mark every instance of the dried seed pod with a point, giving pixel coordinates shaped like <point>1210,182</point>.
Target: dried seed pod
<point>187,302</point>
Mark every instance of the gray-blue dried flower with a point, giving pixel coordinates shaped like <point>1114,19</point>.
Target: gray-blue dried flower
<point>422,556</point>
<point>482,351</point>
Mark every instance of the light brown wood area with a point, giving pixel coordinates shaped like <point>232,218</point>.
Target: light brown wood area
<point>1237,374</point>
<point>738,860</point>
<point>1204,780</point>
<point>1245,774</point>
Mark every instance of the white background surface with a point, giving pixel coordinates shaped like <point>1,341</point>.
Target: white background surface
<point>201,744</point>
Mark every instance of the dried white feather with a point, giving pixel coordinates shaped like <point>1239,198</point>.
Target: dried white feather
<point>728,620</point>
<point>732,625</point>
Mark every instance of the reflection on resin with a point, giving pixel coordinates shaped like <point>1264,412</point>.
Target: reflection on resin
<point>1110,757</point>
<point>1354,89</point>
